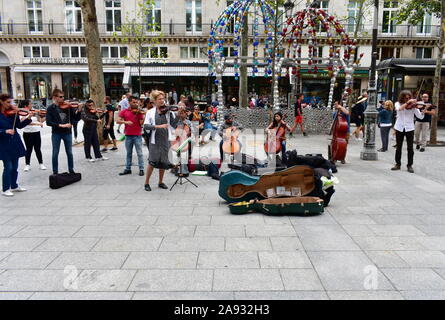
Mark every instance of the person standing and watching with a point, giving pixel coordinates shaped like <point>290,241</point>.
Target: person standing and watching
<point>385,123</point>
<point>31,136</point>
<point>406,110</point>
<point>11,146</point>
<point>299,105</point>
<point>133,120</point>
<point>123,105</point>
<point>61,116</point>
<point>423,125</point>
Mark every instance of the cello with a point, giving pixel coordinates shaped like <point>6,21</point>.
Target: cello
<point>339,131</point>
<point>231,144</point>
<point>182,133</point>
<point>274,145</point>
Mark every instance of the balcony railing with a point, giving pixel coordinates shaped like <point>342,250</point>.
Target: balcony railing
<point>178,29</point>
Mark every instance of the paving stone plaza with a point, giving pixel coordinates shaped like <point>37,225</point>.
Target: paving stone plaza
<point>382,237</point>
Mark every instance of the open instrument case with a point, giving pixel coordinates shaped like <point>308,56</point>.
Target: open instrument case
<point>279,193</point>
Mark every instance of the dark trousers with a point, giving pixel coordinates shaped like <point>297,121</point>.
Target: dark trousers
<point>91,139</point>
<point>384,133</point>
<point>33,141</point>
<point>410,146</point>
<point>10,174</point>
<point>75,128</point>
<point>68,142</point>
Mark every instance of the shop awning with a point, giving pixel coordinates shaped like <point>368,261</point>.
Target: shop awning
<point>63,68</point>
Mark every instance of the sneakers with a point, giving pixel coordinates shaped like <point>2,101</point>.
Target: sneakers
<point>422,150</point>
<point>382,150</point>
<point>418,147</point>
<point>162,186</point>
<point>147,187</point>
<point>91,160</point>
<point>42,167</point>
<point>27,168</point>
<point>7,193</point>
<point>19,189</point>
<point>141,173</point>
<point>113,149</point>
<point>410,169</point>
<point>396,167</point>
<point>103,159</point>
<point>104,150</point>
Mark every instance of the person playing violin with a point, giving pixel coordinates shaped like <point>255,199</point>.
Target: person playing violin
<point>108,130</point>
<point>31,135</point>
<point>61,116</point>
<point>159,124</point>
<point>423,125</point>
<point>229,123</point>
<point>11,146</point>
<point>276,124</point>
<point>91,118</point>
<point>407,109</point>
<point>133,119</point>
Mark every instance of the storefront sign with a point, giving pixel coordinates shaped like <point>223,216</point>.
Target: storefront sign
<point>69,61</point>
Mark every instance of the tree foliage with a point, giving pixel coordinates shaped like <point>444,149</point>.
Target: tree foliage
<point>413,11</point>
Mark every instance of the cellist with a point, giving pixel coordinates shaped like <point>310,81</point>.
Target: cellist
<point>274,130</point>
<point>341,113</point>
<point>229,123</point>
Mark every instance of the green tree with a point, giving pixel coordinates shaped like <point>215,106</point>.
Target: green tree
<point>140,29</point>
<point>413,11</point>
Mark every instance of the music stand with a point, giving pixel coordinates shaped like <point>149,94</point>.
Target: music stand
<point>180,173</point>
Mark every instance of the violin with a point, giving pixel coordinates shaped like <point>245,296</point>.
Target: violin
<point>231,144</point>
<point>138,111</point>
<point>66,105</point>
<point>274,145</point>
<point>339,144</point>
<point>19,111</point>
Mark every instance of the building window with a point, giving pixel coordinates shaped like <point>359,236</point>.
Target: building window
<point>390,52</point>
<point>1,27</point>
<point>424,53</point>
<point>35,21</point>
<point>113,52</point>
<point>154,17</point>
<point>188,53</point>
<point>354,15</point>
<point>193,15</point>
<point>73,16</point>
<point>74,52</point>
<point>425,26</point>
<point>154,52</point>
<point>114,15</point>
<point>325,6</point>
<point>389,14</point>
<point>36,52</point>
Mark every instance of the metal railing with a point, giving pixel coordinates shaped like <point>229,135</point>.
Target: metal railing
<point>180,29</point>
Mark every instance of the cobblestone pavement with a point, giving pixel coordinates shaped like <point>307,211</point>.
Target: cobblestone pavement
<point>382,237</point>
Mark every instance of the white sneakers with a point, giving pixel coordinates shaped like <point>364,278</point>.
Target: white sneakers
<point>100,159</point>
<point>91,160</point>
<point>103,158</point>
<point>8,193</point>
<point>28,167</point>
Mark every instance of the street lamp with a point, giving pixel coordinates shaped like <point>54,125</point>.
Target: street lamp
<point>369,151</point>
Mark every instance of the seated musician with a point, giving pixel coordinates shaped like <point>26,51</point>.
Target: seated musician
<point>228,123</point>
<point>181,122</point>
<point>274,126</point>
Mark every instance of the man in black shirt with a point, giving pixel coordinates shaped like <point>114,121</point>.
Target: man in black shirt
<point>423,125</point>
<point>108,131</point>
<point>61,116</point>
<point>299,105</point>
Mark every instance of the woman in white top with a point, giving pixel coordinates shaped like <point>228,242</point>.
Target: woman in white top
<point>406,109</point>
<point>31,136</point>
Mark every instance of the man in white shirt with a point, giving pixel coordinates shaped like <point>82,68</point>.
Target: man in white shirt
<point>406,109</point>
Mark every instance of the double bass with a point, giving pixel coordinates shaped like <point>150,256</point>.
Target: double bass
<point>274,145</point>
<point>339,143</point>
<point>231,144</point>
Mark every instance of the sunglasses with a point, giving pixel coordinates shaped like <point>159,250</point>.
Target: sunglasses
<point>60,97</point>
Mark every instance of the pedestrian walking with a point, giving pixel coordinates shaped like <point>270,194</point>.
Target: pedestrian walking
<point>385,123</point>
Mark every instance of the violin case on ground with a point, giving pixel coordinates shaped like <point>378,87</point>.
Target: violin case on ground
<point>57,181</point>
<point>286,192</point>
<point>280,206</point>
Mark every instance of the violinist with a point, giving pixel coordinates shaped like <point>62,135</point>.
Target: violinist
<point>108,130</point>
<point>91,119</point>
<point>133,118</point>
<point>61,117</point>
<point>31,136</point>
<point>198,124</point>
<point>274,131</point>
<point>407,109</point>
<point>11,146</point>
<point>229,123</point>
<point>159,124</point>
<point>423,125</point>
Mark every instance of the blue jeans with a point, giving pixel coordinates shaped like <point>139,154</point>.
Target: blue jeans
<point>135,141</point>
<point>10,174</point>
<point>68,142</point>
